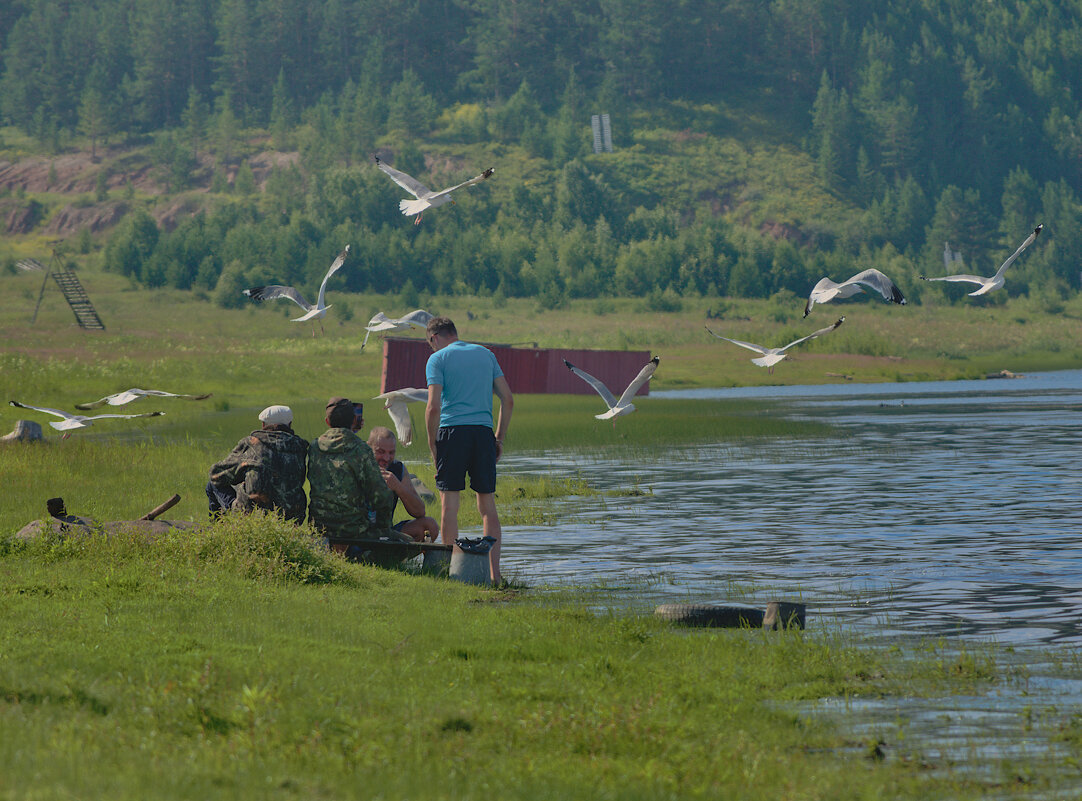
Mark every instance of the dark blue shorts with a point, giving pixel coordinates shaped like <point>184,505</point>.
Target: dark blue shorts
<point>466,449</point>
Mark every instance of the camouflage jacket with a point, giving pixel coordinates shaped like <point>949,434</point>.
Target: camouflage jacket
<point>349,497</point>
<point>269,467</point>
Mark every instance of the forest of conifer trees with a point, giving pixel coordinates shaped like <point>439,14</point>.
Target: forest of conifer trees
<point>933,121</point>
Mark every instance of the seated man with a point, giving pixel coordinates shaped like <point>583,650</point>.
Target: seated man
<point>265,470</point>
<point>384,445</point>
<point>349,498</point>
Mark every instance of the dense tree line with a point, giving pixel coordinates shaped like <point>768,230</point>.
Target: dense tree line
<point>943,120</point>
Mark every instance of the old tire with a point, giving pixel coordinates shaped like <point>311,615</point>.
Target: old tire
<point>729,617</point>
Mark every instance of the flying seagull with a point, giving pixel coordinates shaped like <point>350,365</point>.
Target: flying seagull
<point>70,421</point>
<point>395,402</point>
<point>826,290</point>
<point>272,291</point>
<point>128,395</point>
<point>426,198</point>
<point>624,405</point>
<point>987,285</point>
<point>771,356</point>
<point>418,318</point>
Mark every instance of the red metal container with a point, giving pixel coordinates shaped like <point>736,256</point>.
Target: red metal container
<point>532,371</point>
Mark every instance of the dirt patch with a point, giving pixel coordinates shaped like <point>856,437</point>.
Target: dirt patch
<point>778,230</point>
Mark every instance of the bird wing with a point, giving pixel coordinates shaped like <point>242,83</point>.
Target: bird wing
<point>159,394</point>
<point>46,410</point>
<point>273,291</point>
<point>873,279</point>
<point>124,416</point>
<point>820,292</point>
<point>748,345</point>
<point>407,182</point>
<point>381,322</point>
<point>602,390</point>
<point>339,260</point>
<point>969,279</point>
<point>412,394</point>
<point>118,399</point>
<point>475,180</point>
<point>645,374</point>
<point>813,335</point>
<point>418,318</point>
<point>129,395</point>
<point>1029,241</point>
<point>398,408</point>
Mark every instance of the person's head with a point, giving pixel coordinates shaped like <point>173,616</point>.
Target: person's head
<point>383,444</point>
<point>277,418</point>
<point>340,413</point>
<point>440,331</point>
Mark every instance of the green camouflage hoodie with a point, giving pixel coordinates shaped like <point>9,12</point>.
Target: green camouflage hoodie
<point>268,467</point>
<point>345,486</point>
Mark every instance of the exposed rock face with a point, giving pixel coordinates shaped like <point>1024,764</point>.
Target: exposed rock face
<point>71,219</point>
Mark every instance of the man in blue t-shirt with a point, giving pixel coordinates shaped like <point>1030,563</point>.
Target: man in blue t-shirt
<point>462,378</point>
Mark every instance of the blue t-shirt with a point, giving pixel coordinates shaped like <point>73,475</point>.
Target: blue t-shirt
<point>466,372</point>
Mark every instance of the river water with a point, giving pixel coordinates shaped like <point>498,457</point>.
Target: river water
<point>942,512</point>
<point>938,508</point>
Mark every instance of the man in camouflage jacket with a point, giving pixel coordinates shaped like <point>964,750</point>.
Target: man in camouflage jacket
<point>349,498</point>
<point>265,470</point>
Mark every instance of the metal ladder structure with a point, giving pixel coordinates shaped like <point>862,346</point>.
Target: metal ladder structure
<point>85,313</point>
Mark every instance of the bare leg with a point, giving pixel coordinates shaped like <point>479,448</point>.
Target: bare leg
<point>421,529</point>
<point>449,502</point>
<point>490,519</point>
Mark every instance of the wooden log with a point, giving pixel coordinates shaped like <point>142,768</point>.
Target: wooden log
<point>157,510</point>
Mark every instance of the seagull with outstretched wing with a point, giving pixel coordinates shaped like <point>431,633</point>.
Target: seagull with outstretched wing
<point>396,403</point>
<point>826,290</point>
<point>771,356</point>
<point>129,395</point>
<point>312,311</point>
<point>624,405</point>
<point>72,421</point>
<point>418,318</point>
<point>986,285</point>
<point>425,197</point>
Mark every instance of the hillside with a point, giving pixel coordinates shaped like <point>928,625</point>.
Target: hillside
<point>756,148</point>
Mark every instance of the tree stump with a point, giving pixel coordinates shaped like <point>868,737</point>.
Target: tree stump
<point>25,431</point>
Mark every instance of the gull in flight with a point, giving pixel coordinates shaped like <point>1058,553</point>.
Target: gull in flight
<point>395,402</point>
<point>826,290</point>
<point>418,318</point>
<point>624,405</point>
<point>987,285</point>
<point>426,198</point>
<point>771,356</point>
<point>272,291</point>
<point>128,395</point>
<point>71,421</point>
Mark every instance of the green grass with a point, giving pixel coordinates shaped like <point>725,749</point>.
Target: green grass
<point>244,661</point>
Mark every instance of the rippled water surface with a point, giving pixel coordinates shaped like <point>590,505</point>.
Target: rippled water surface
<point>938,508</point>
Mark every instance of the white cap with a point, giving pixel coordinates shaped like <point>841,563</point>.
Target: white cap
<point>276,415</point>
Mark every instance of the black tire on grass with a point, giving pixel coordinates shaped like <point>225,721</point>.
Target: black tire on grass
<point>705,616</point>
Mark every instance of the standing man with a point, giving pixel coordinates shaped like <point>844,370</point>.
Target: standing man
<point>462,378</point>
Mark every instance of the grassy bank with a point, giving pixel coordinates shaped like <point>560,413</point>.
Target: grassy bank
<point>245,662</point>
